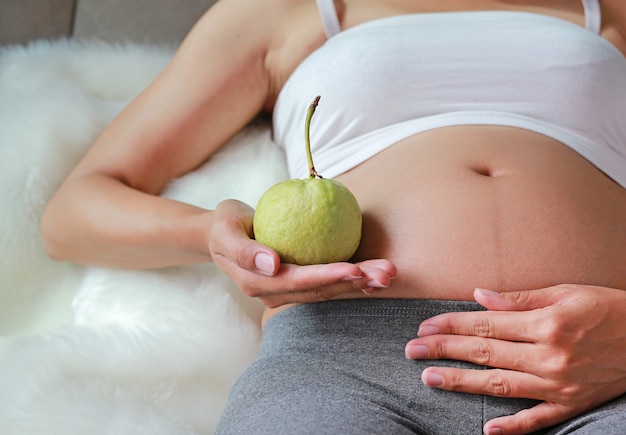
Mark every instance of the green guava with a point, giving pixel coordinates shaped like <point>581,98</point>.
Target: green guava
<point>309,221</point>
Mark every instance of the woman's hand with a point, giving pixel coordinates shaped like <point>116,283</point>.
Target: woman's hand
<point>563,345</point>
<point>258,272</point>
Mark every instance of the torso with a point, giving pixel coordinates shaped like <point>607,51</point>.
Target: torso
<point>492,207</point>
<point>497,207</point>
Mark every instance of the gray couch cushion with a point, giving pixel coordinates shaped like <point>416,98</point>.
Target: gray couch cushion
<point>158,21</point>
<point>24,20</point>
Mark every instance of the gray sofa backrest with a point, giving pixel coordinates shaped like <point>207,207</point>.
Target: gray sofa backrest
<point>157,21</point>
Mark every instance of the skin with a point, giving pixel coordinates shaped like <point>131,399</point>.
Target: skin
<point>221,78</point>
<point>575,367</point>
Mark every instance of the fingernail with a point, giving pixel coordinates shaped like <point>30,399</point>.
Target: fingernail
<point>494,431</point>
<point>416,352</point>
<point>264,263</point>
<point>376,284</point>
<point>432,379</point>
<point>351,278</point>
<point>488,293</point>
<point>427,330</point>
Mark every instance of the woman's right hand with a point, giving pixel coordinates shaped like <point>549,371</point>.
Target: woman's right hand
<point>258,272</point>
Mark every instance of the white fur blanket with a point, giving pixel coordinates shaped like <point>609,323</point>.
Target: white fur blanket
<point>97,351</point>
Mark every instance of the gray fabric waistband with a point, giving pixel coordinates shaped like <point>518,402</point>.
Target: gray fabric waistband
<point>388,322</point>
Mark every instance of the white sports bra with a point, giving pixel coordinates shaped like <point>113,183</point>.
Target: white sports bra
<point>390,78</point>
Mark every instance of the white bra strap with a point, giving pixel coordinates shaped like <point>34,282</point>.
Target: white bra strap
<point>593,15</point>
<point>329,17</point>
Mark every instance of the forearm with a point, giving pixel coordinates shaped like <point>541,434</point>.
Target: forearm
<point>98,220</point>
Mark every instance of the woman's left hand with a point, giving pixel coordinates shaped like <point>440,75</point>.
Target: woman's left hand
<point>563,345</point>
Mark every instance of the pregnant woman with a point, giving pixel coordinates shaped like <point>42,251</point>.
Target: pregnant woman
<point>486,144</point>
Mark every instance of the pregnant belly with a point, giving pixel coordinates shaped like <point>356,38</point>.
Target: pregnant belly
<point>493,207</point>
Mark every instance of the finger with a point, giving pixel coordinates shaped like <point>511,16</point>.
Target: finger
<point>243,253</point>
<point>299,284</point>
<point>384,266</point>
<point>317,283</point>
<point>514,316</point>
<point>376,274</point>
<point>233,246</point>
<point>317,294</point>
<point>524,300</point>
<point>493,382</point>
<point>481,351</point>
<point>511,326</point>
<point>541,416</point>
<point>291,278</point>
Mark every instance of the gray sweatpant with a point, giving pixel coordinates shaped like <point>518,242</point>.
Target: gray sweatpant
<point>339,368</point>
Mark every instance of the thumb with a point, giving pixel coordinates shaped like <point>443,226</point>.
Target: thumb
<point>523,300</point>
<point>243,253</point>
<point>266,262</point>
<point>231,244</point>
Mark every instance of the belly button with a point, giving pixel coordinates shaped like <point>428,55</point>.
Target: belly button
<point>485,171</point>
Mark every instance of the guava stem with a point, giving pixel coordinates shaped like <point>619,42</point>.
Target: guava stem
<point>307,139</point>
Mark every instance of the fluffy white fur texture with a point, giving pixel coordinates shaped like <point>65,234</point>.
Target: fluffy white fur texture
<point>99,351</point>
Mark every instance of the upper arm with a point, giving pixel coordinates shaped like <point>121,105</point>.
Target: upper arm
<point>215,84</point>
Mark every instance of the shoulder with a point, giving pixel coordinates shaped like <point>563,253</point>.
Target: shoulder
<point>252,17</point>
<point>271,34</point>
<point>242,20</point>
